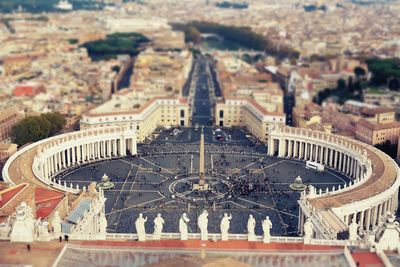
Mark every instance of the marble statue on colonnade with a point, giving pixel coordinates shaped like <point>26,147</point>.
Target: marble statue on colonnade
<point>102,225</point>
<point>308,231</point>
<point>353,230</point>
<point>202,222</point>
<point>56,223</point>
<point>140,230</point>
<point>158,226</point>
<point>225,223</point>
<point>42,230</point>
<point>251,224</point>
<point>267,226</point>
<point>24,225</point>
<point>183,226</point>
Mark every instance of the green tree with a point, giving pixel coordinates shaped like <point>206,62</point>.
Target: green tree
<point>35,128</point>
<point>341,84</point>
<point>56,121</point>
<point>359,72</point>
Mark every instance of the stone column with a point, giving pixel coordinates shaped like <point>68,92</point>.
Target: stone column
<point>390,203</point>
<point>326,157</point>
<point>123,146</point>
<point>271,146</point>
<point>59,160</point>
<point>374,216</point>
<point>348,166</point>
<point>281,148</point>
<point>320,153</point>
<point>98,150</point>
<point>336,160</point>
<point>379,215</point>
<point>68,157</point>
<point>79,153</point>
<point>63,160</point>
<point>344,161</point>
<point>46,170</point>
<point>134,146</point>
<point>341,162</point>
<point>109,148</point>
<point>395,201</point>
<point>84,153</point>
<point>361,228</point>
<point>383,212</point>
<point>312,152</point>
<point>306,145</point>
<point>50,165</point>
<point>93,150</point>
<point>368,219</point>
<point>115,147</point>
<point>73,155</point>
<point>54,162</point>
<point>301,150</point>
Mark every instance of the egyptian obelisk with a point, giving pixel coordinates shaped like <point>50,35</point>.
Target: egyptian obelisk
<point>201,185</point>
<point>202,179</point>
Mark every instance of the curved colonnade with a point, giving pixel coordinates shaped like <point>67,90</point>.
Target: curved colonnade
<point>372,193</point>
<point>57,154</point>
<point>367,199</point>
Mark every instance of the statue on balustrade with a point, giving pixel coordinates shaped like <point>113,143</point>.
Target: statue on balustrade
<point>24,224</point>
<point>56,223</point>
<point>42,230</point>
<point>140,229</point>
<point>353,230</point>
<point>158,226</point>
<point>183,226</point>
<point>225,223</point>
<point>308,231</point>
<point>267,226</point>
<point>202,222</point>
<point>102,224</point>
<point>251,225</point>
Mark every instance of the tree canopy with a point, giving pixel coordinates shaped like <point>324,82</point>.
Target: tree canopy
<point>115,44</point>
<point>35,128</point>
<point>242,36</point>
<point>227,4</point>
<point>383,70</point>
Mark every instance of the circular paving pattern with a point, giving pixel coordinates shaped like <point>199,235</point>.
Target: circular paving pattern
<point>242,180</point>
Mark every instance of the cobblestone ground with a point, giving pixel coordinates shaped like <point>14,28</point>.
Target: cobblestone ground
<point>244,181</point>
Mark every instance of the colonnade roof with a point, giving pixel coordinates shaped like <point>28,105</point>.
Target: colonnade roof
<point>384,170</point>
<point>384,174</point>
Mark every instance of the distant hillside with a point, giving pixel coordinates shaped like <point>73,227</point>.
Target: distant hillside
<point>38,6</point>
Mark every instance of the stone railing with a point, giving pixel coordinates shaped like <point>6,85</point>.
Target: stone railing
<point>217,237</point>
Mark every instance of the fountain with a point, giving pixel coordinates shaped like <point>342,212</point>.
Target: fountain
<point>105,183</point>
<point>298,184</point>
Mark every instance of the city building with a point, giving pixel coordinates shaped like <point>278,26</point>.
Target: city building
<point>8,118</point>
<point>161,73</point>
<point>310,117</point>
<point>249,98</point>
<point>138,113</point>
<point>7,150</point>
